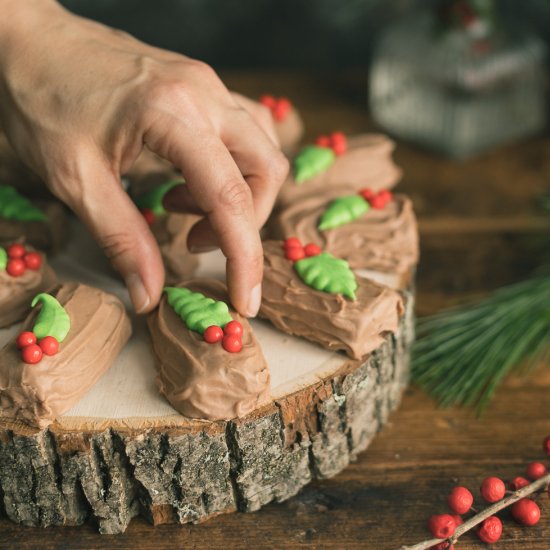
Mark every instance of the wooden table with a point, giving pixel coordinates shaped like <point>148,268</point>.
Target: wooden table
<point>481,228</point>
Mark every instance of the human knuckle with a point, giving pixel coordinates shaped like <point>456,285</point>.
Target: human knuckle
<point>236,197</point>
<point>201,69</point>
<point>276,167</point>
<point>115,245</point>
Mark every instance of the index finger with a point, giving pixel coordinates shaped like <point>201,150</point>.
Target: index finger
<point>220,191</point>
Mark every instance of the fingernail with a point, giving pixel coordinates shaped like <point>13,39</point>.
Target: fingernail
<point>254,301</point>
<point>199,249</point>
<point>138,294</point>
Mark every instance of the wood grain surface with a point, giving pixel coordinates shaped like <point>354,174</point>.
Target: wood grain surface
<point>481,227</point>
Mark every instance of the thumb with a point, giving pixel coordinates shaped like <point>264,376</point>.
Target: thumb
<point>121,231</point>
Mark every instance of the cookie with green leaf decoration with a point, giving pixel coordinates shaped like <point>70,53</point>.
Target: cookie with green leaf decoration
<point>196,310</point>
<point>153,199</point>
<point>16,207</point>
<point>52,319</point>
<point>326,273</point>
<point>311,161</point>
<point>342,211</point>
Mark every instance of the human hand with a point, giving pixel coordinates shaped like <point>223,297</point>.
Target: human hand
<point>78,101</point>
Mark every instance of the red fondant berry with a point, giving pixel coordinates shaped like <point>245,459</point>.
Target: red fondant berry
<point>458,519</point>
<point>338,137</point>
<point>490,530</point>
<point>213,334</point>
<point>526,512</point>
<point>386,194</point>
<point>546,445</point>
<point>442,526</point>
<point>322,141</point>
<point>292,242</point>
<point>15,250</point>
<point>295,253</point>
<point>378,202</point>
<point>460,500</point>
<point>445,545</point>
<point>281,109</point>
<point>367,194</point>
<point>518,483</point>
<point>232,343</point>
<point>492,489</point>
<point>16,267</point>
<point>25,339</point>
<point>312,249</point>
<point>233,327</point>
<point>33,260</point>
<point>268,100</point>
<point>149,215</point>
<point>31,354</point>
<point>49,345</point>
<point>536,470</point>
<point>338,143</point>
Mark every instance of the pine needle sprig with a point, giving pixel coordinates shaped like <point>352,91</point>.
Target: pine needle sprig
<point>462,354</point>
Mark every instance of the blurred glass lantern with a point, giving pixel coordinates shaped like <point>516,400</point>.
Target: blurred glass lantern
<point>458,80</point>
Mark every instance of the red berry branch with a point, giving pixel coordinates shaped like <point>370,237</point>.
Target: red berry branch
<point>446,528</point>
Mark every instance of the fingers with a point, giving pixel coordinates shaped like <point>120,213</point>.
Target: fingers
<point>261,163</point>
<point>121,231</point>
<point>261,115</point>
<point>216,184</point>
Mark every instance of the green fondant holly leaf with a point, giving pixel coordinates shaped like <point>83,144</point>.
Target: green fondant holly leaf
<point>312,160</point>
<point>3,259</point>
<point>52,319</point>
<point>14,206</point>
<point>196,310</point>
<point>153,199</point>
<point>326,273</point>
<point>343,210</point>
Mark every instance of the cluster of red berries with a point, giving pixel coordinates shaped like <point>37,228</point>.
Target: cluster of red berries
<point>525,511</point>
<point>19,260</point>
<point>377,200</point>
<point>294,250</point>
<point>279,107</point>
<point>149,215</point>
<point>336,141</point>
<point>231,336</point>
<point>33,351</point>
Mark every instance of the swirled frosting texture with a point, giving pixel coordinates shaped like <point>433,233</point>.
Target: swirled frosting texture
<point>381,240</point>
<point>171,232</point>
<point>16,293</point>
<point>38,394</point>
<point>367,163</point>
<point>202,380</point>
<point>356,327</point>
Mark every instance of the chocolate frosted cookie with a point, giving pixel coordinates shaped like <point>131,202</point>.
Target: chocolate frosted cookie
<point>313,294</point>
<point>371,231</point>
<point>335,160</point>
<point>67,343</point>
<point>24,273</point>
<point>286,120</point>
<point>43,224</point>
<point>170,230</point>
<point>210,365</point>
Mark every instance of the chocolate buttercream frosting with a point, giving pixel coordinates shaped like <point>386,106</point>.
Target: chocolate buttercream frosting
<point>16,293</point>
<point>383,240</point>
<point>49,235</point>
<point>202,380</point>
<point>289,131</point>
<point>355,326</point>
<point>37,394</point>
<point>171,231</point>
<point>366,163</point>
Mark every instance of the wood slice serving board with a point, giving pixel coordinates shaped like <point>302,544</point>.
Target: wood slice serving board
<point>123,451</point>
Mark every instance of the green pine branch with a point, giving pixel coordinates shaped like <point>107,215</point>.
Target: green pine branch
<point>462,354</point>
